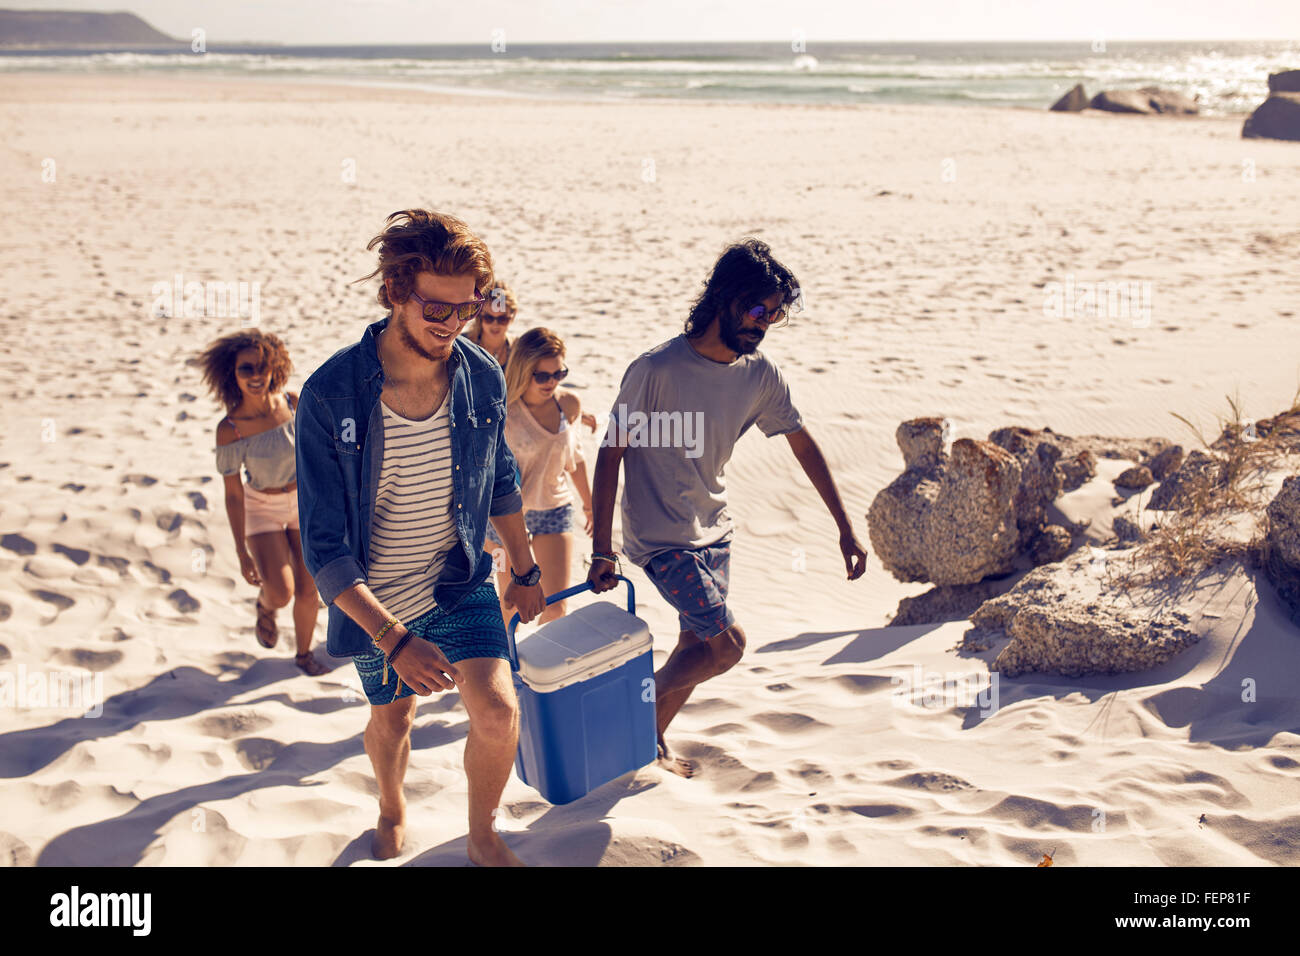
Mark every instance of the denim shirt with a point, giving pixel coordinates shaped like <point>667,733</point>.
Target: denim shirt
<point>340,448</point>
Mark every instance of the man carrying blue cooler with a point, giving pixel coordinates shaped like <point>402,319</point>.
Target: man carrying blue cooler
<point>681,408</point>
<point>401,462</point>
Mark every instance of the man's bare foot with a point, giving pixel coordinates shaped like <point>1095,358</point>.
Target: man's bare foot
<point>678,765</point>
<point>491,850</point>
<point>390,833</point>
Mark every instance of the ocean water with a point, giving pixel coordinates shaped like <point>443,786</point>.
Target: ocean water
<point>1226,77</point>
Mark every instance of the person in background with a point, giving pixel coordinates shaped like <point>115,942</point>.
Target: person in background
<point>540,418</point>
<point>488,329</point>
<point>246,371</point>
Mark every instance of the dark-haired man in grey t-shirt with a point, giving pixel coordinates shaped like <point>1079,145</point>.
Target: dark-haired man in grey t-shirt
<point>681,408</point>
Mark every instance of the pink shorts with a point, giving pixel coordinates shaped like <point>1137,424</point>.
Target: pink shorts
<point>266,512</point>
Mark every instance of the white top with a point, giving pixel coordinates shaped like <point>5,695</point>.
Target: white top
<point>413,526</point>
<point>545,458</point>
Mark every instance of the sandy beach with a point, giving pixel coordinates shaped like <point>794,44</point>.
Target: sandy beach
<point>926,239</point>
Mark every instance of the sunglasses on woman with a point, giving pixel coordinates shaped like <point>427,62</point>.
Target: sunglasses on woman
<point>248,370</point>
<point>541,378</point>
<point>502,317</point>
<point>435,311</point>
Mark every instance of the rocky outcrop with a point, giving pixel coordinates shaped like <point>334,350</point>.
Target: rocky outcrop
<point>949,602</point>
<point>1127,531</point>
<point>1149,100</point>
<point>949,519</point>
<point>1281,550</point>
<point>1057,628</point>
<point>1040,478</point>
<point>1073,101</point>
<point>1288,81</point>
<point>1135,478</point>
<point>1278,117</point>
<point>1166,463</point>
<point>1050,545</point>
<point>1199,473</point>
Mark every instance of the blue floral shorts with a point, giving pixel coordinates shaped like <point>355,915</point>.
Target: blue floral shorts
<point>694,581</point>
<point>552,521</point>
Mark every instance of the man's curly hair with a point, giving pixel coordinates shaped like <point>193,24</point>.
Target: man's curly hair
<point>746,272</point>
<point>419,240</point>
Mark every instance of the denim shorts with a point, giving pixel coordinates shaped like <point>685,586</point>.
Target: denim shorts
<point>474,629</point>
<point>694,582</point>
<point>552,521</point>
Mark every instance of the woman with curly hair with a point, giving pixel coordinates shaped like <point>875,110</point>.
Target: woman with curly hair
<point>246,372</point>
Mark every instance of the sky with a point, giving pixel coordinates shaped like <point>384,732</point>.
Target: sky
<point>550,21</point>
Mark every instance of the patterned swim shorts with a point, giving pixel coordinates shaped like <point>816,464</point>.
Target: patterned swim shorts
<point>474,629</point>
<point>552,521</point>
<point>694,581</point>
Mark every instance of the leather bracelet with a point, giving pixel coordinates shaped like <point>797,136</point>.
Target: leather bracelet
<point>398,649</point>
<point>612,557</point>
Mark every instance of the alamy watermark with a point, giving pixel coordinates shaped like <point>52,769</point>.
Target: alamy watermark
<point>1101,299</point>
<point>638,429</point>
<point>196,300</point>
<point>933,690</point>
<point>79,691</point>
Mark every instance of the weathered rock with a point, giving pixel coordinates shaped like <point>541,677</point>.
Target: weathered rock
<point>1073,101</point>
<point>921,441</point>
<point>970,531</point>
<point>1288,81</point>
<point>1149,99</point>
<point>1166,463</point>
<point>949,521</point>
<point>1052,630</point>
<point>1127,530</point>
<point>1077,470</point>
<point>1198,473</point>
<point>1278,117</point>
<point>1041,480</point>
<point>950,602</point>
<point>1050,545</point>
<point>1281,551</point>
<point>1135,478</point>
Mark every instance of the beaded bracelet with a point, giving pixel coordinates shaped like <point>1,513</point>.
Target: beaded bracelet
<point>384,630</point>
<point>612,557</point>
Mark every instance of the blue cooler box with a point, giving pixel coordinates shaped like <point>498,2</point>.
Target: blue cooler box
<point>585,684</point>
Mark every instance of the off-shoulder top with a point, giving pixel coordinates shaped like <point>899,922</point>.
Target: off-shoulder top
<point>268,456</point>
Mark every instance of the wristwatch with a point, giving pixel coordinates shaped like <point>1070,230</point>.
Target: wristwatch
<point>529,579</point>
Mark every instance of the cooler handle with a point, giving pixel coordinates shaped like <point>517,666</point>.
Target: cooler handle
<point>560,596</point>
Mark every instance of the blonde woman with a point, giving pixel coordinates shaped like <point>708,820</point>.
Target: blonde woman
<point>540,420</point>
<point>246,372</point>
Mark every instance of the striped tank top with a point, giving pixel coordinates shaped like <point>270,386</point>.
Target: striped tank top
<point>413,526</point>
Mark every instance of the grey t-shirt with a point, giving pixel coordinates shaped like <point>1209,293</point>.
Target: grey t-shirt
<point>679,415</point>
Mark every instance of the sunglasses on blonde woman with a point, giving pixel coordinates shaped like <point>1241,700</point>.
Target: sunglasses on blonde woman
<point>541,378</point>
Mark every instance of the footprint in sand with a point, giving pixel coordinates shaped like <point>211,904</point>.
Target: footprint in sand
<point>142,480</point>
<point>161,575</point>
<point>257,753</point>
<point>169,521</point>
<point>117,564</point>
<point>77,556</point>
<point>5,610</point>
<point>199,502</point>
<point>183,601</point>
<point>18,544</point>
<point>228,726</point>
<point>72,486</point>
<point>4,653</point>
<point>61,601</point>
<point>90,660</point>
